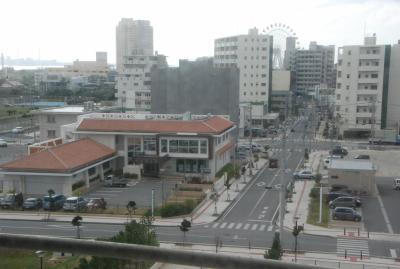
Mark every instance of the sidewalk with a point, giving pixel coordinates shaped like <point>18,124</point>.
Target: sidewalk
<point>298,210</point>
<point>205,213</point>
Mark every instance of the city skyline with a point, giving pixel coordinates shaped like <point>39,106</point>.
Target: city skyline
<point>185,30</point>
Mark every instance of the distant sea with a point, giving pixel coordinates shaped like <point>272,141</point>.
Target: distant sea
<point>32,67</point>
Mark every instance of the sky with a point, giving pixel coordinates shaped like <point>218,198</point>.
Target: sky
<point>67,30</point>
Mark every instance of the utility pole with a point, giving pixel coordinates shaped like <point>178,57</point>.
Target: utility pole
<point>251,142</point>
<point>282,188</point>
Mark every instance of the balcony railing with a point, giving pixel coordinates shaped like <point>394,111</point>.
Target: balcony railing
<point>141,252</point>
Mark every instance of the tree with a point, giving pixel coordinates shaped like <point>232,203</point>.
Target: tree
<point>275,253</point>
<point>131,206</point>
<point>77,222</point>
<point>184,227</point>
<point>296,231</point>
<point>141,233</point>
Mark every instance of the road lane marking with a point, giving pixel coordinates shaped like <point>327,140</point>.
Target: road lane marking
<point>246,227</point>
<point>215,225</point>
<point>230,226</point>
<point>262,195</point>
<point>239,225</point>
<point>223,225</point>
<point>264,211</point>
<point>270,228</point>
<point>262,227</point>
<point>258,220</point>
<point>393,253</point>
<point>384,213</point>
<point>254,227</point>
<point>276,212</point>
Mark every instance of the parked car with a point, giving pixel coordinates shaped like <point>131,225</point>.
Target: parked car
<point>346,213</point>
<point>396,184</point>
<point>12,200</point>
<point>111,181</point>
<point>56,202</point>
<point>304,174</point>
<point>17,130</point>
<point>361,157</point>
<point>335,194</point>
<point>97,203</point>
<point>74,204</point>
<point>3,143</point>
<point>339,151</point>
<point>345,202</point>
<point>32,203</point>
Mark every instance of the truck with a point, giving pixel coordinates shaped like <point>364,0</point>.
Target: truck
<point>111,181</point>
<point>385,136</point>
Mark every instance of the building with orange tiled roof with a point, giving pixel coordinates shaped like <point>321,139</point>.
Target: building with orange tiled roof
<point>59,168</point>
<point>155,145</point>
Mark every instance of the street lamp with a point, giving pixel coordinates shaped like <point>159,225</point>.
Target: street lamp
<point>40,254</point>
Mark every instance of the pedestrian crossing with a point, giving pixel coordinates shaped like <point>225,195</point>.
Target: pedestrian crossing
<point>352,247</point>
<point>240,226</point>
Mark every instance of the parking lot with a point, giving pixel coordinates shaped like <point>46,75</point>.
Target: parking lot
<point>138,191</point>
<point>380,213</point>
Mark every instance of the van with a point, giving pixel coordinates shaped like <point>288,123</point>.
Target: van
<point>57,200</point>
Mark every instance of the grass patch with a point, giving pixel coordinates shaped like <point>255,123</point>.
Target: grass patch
<point>12,112</point>
<point>313,209</point>
<point>25,259</point>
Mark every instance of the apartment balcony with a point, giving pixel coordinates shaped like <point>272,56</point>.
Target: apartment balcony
<point>363,114</point>
<point>368,68</point>
<point>370,56</point>
<point>368,80</point>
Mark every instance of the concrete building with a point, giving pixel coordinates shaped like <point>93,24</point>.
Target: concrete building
<point>313,67</point>
<point>290,53</point>
<point>358,175</point>
<point>252,54</point>
<point>367,78</point>
<point>50,120</point>
<point>133,37</point>
<point>196,86</point>
<point>134,81</point>
<point>281,98</point>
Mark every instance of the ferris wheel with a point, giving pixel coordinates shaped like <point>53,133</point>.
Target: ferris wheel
<point>280,32</point>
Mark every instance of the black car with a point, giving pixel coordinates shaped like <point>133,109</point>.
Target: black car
<point>362,157</point>
<point>339,151</point>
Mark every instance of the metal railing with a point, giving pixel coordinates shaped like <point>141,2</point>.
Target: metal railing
<point>141,252</point>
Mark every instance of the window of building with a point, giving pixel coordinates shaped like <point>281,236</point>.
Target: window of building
<point>348,63</point>
<point>374,87</point>
<point>244,84</point>
<point>339,74</point>
<point>347,87</point>
<point>164,145</point>
<point>263,84</point>
<point>244,93</point>
<point>374,75</point>
<point>263,93</point>
<point>339,85</point>
<point>349,52</point>
<point>203,147</point>
<point>337,108</point>
<point>51,119</point>
<point>340,62</point>
<point>348,76</point>
<point>134,144</point>
<point>337,96</point>
<point>51,133</point>
<point>149,143</point>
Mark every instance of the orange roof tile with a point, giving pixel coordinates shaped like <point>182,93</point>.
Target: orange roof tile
<point>212,125</point>
<point>63,158</point>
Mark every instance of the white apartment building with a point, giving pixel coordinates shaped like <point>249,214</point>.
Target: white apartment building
<point>133,37</point>
<point>134,81</point>
<point>252,54</point>
<point>367,75</point>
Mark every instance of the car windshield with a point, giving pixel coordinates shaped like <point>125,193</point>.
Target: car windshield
<point>30,200</point>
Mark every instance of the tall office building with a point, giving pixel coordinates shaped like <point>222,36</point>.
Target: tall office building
<point>313,67</point>
<point>135,59</point>
<point>368,87</point>
<point>134,37</point>
<point>252,54</point>
<point>290,52</point>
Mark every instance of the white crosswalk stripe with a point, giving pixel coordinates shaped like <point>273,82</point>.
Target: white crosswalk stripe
<point>215,225</point>
<point>262,227</point>
<point>239,225</point>
<point>230,226</point>
<point>246,226</point>
<point>223,225</point>
<point>352,247</point>
<point>254,227</point>
<point>270,228</point>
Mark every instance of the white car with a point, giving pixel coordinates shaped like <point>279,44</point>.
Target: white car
<point>18,130</point>
<point>3,143</point>
<point>304,174</point>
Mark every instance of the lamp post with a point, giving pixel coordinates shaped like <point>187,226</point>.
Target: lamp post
<point>40,254</point>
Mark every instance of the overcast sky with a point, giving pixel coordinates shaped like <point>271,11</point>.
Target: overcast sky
<point>75,29</point>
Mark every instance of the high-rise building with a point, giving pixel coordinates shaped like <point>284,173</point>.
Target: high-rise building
<point>134,37</point>
<point>368,87</point>
<point>252,54</point>
<point>313,67</point>
<point>290,52</point>
<point>135,59</point>
<point>198,87</point>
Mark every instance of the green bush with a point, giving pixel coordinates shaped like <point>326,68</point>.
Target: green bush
<point>129,175</point>
<point>314,193</point>
<point>189,188</point>
<point>177,209</point>
<point>266,147</point>
<point>78,184</point>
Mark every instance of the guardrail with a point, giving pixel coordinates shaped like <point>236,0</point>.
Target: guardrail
<point>141,252</point>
